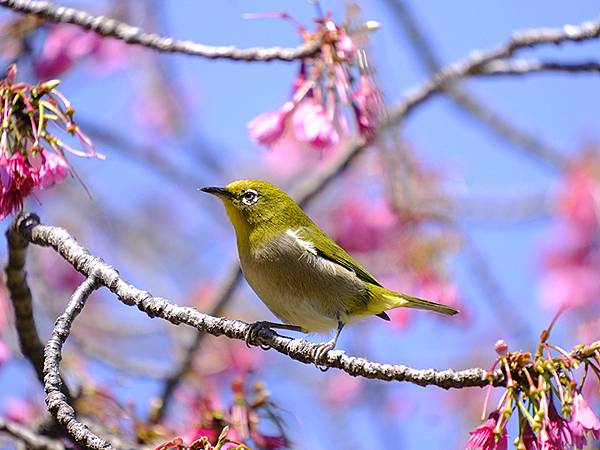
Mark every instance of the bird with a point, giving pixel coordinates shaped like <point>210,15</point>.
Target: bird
<point>301,274</point>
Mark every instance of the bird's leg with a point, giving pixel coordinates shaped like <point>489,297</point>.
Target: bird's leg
<point>321,350</point>
<point>256,327</point>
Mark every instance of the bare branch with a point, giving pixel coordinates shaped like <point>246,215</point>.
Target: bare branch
<point>470,103</point>
<point>475,64</point>
<point>20,295</point>
<point>133,35</point>
<point>530,66</point>
<point>28,437</point>
<point>55,399</point>
<point>297,349</point>
<point>21,298</point>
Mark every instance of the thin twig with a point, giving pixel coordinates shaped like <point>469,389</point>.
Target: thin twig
<point>28,437</point>
<point>55,399</point>
<point>133,35</point>
<point>531,66</point>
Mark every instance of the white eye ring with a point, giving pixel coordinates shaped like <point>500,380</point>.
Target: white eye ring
<point>249,197</point>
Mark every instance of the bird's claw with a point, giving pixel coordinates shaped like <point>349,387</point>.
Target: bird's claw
<point>252,334</point>
<point>320,352</point>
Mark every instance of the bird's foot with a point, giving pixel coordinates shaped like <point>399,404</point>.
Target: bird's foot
<point>319,354</point>
<point>254,330</point>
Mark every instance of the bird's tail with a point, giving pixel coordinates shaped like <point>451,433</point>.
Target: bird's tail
<point>390,300</point>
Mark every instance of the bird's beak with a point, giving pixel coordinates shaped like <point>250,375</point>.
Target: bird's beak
<point>219,192</point>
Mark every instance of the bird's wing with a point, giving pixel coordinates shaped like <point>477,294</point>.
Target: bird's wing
<point>329,250</point>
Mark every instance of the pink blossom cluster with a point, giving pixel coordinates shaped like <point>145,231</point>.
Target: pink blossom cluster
<point>234,427</point>
<point>533,385</point>
<point>325,84</point>
<point>571,264</point>
<point>556,433</point>
<point>66,45</point>
<point>32,158</point>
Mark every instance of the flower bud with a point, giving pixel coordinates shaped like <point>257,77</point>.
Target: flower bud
<point>501,347</point>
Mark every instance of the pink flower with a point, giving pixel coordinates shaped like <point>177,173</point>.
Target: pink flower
<point>556,432</point>
<point>341,389</point>
<point>576,202</point>
<point>266,442</point>
<point>209,433</point>
<point>267,128</point>
<point>58,52</point>
<point>4,353</point>
<point>583,420</point>
<point>345,46</point>
<point>313,126</point>
<point>530,440</point>
<point>367,105</point>
<point>361,225</point>
<point>66,45</point>
<point>19,411</point>
<point>53,170</point>
<point>18,179</point>
<point>482,438</point>
<point>572,285</point>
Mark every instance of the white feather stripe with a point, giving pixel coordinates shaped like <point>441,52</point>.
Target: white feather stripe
<point>299,286</point>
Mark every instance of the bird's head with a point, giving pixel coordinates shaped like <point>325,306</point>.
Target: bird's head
<point>254,203</point>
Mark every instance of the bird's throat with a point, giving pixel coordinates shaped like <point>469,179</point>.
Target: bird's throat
<point>241,226</point>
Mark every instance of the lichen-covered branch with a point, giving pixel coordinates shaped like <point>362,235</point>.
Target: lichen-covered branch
<point>297,349</point>
<point>55,399</point>
<point>132,35</point>
<point>28,437</point>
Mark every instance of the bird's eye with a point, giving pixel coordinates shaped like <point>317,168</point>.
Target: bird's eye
<point>249,197</point>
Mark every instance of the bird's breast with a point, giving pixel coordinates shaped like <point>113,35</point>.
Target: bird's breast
<point>299,286</point>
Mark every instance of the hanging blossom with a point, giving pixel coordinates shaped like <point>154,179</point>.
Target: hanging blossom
<point>32,157</point>
<point>542,390</point>
<point>335,79</point>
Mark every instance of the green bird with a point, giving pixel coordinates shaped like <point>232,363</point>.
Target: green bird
<point>305,278</point>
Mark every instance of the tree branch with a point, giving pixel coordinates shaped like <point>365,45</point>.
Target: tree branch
<point>471,104</point>
<point>21,298</point>
<point>298,349</point>
<point>55,399</point>
<point>20,295</point>
<point>133,35</point>
<point>530,66</point>
<point>475,64</point>
<point>28,437</point>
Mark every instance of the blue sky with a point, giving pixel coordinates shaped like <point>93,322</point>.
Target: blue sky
<point>222,97</point>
